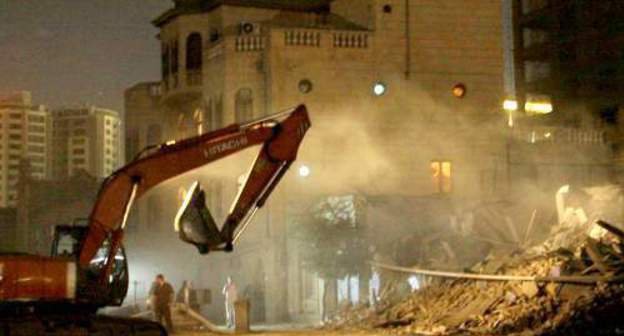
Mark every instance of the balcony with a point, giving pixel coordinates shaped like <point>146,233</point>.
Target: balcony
<point>560,135</point>
<point>246,43</point>
<point>297,37</point>
<point>350,40</point>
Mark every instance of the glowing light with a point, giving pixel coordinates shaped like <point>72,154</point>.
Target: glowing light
<point>459,90</point>
<point>538,107</point>
<point>170,142</point>
<point>379,89</point>
<point>414,283</point>
<point>304,171</point>
<point>547,135</point>
<point>510,105</point>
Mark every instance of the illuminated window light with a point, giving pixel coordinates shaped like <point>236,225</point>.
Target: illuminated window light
<point>538,107</point>
<point>510,105</point>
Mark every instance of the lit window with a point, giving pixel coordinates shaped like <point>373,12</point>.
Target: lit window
<point>441,174</point>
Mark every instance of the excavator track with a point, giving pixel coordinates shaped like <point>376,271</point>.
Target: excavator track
<point>78,325</point>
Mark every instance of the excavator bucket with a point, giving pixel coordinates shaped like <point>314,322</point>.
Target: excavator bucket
<point>195,224</point>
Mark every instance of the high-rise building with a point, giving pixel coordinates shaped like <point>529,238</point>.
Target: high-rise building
<point>571,51</point>
<point>88,139</point>
<point>24,130</point>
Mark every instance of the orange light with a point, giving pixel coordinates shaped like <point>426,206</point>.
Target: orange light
<point>459,90</point>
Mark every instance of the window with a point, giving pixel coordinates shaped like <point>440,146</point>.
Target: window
<point>35,118</point>
<point>78,141</point>
<point>15,126</point>
<point>198,118</point>
<point>194,52</point>
<point>174,58</point>
<point>80,132</point>
<point>36,149</point>
<point>36,159</point>
<point>387,9</point>
<point>154,134</point>
<point>36,138</point>
<point>215,35</point>
<point>244,105</point>
<point>15,137</point>
<point>78,151</point>
<point>78,161</point>
<point>37,129</point>
<point>441,174</point>
<point>165,61</point>
<point>15,116</point>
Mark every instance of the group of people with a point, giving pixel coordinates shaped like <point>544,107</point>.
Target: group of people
<point>162,296</point>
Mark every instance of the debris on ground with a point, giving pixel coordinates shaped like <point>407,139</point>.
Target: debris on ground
<point>574,285</point>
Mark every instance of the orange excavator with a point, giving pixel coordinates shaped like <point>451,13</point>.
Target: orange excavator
<point>87,270</point>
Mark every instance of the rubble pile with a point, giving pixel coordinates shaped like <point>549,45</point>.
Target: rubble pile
<point>570,284</point>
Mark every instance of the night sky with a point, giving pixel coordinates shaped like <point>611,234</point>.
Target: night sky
<point>71,52</point>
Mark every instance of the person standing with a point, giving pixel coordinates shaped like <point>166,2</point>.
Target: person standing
<point>231,295</point>
<point>188,295</point>
<point>163,298</point>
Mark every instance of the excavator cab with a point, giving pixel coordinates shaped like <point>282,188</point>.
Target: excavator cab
<point>195,223</point>
<point>67,243</point>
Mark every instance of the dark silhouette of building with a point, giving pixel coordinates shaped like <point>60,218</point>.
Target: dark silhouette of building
<point>572,51</point>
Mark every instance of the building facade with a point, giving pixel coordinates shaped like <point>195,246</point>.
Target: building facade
<point>570,51</point>
<point>88,139</point>
<point>144,117</point>
<point>24,141</point>
<point>400,102</point>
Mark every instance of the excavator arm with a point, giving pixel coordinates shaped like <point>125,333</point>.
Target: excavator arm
<point>280,136</point>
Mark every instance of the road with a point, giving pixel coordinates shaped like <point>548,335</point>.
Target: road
<point>289,333</point>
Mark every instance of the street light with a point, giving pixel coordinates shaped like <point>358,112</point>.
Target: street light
<point>379,89</point>
<point>304,171</point>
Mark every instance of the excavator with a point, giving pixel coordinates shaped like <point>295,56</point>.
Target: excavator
<point>87,270</point>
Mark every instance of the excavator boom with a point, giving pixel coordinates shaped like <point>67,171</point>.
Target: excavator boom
<point>280,136</point>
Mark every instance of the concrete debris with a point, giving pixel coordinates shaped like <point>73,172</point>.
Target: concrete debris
<point>580,306</point>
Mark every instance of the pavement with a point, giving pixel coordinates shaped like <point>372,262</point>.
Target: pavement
<point>285,333</point>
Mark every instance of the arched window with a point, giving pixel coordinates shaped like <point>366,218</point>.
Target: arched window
<point>154,134</point>
<point>244,105</point>
<point>174,58</point>
<point>194,52</point>
<point>165,61</point>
